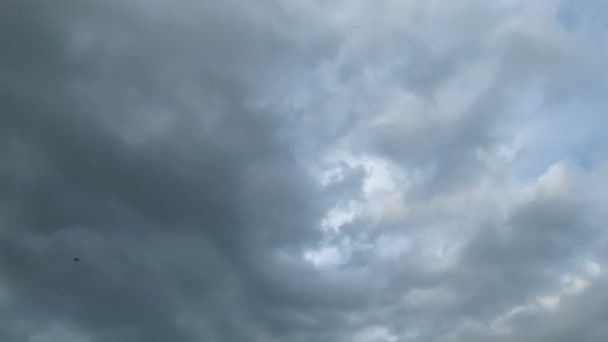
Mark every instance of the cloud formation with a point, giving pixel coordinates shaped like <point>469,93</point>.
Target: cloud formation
<point>321,171</point>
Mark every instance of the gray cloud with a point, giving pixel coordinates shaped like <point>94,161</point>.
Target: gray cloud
<point>272,171</point>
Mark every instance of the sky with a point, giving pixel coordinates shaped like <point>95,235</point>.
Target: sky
<point>322,170</point>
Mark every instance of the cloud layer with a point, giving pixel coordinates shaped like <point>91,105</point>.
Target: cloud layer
<point>321,171</point>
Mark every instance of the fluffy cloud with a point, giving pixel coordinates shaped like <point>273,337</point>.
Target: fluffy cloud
<point>320,171</point>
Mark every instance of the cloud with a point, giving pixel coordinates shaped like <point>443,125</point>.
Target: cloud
<point>328,171</point>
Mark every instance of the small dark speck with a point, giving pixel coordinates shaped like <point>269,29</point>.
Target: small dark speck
<point>76,260</point>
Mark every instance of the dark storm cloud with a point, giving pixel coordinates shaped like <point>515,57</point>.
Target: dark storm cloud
<point>185,224</point>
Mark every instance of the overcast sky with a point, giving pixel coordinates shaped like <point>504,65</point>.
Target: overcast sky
<point>295,171</point>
